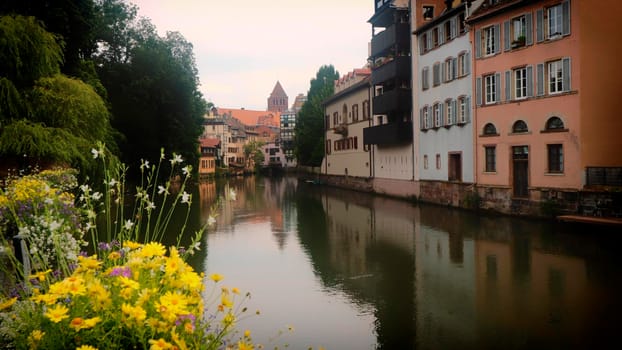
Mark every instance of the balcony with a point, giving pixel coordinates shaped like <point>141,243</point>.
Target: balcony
<point>396,69</point>
<point>397,34</point>
<point>396,100</point>
<point>388,134</point>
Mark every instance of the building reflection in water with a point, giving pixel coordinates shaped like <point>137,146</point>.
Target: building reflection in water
<point>437,278</point>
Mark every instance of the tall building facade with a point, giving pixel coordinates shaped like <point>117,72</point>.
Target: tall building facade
<point>278,101</point>
<point>288,127</point>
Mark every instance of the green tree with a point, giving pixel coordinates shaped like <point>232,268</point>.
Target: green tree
<point>44,115</point>
<point>252,151</point>
<point>309,140</point>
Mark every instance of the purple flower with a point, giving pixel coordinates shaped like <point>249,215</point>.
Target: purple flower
<point>103,246</point>
<point>121,271</point>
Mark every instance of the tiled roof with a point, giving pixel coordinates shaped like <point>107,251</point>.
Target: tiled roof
<point>486,9</point>
<point>210,142</point>
<point>250,117</point>
<point>278,90</point>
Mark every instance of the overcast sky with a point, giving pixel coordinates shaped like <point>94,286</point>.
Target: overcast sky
<point>243,47</point>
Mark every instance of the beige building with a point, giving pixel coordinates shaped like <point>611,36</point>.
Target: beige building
<point>346,115</point>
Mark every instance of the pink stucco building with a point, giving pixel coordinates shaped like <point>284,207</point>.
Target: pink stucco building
<point>544,124</point>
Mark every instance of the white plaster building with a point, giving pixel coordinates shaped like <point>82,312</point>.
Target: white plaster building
<point>442,93</point>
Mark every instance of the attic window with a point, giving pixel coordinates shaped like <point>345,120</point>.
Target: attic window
<point>428,12</point>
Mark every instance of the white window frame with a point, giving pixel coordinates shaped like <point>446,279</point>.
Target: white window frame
<point>555,77</point>
<point>520,83</point>
<point>489,41</point>
<point>449,113</point>
<point>426,119</point>
<point>555,21</point>
<point>449,69</point>
<point>490,89</point>
<point>437,114</point>
<point>462,109</point>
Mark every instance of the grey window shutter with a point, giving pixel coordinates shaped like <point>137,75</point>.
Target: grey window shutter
<point>539,79</point>
<point>421,44</point>
<point>497,38</point>
<point>467,109</point>
<point>539,25</point>
<point>429,37</point>
<point>453,111</point>
<point>478,43</point>
<point>421,118</point>
<point>444,76</point>
<point>508,85</point>
<point>528,28</point>
<point>468,62</point>
<point>441,35</point>
<point>566,17</point>
<point>441,106</point>
<point>454,68</point>
<point>497,87</point>
<point>506,35</point>
<point>478,91</point>
<point>566,68</point>
<point>529,81</point>
<point>452,26</point>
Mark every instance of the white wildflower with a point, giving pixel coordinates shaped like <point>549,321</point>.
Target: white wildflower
<point>95,153</point>
<point>176,159</point>
<point>128,225</point>
<point>97,196</point>
<point>162,189</point>
<point>185,197</point>
<point>144,164</point>
<point>150,206</point>
<point>186,170</point>
<point>211,220</point>
<point>113,182</point>
<point>232,194</point>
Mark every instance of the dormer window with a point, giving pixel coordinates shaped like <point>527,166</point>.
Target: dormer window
<point>428,12</point>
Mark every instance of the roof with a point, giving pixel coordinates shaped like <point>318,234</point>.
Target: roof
<point>278,90</point>
<point>250,117</point>
<point>210,142</point>
<point>486,10</point>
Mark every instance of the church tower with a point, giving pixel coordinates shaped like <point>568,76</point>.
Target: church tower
<point>277,102</point>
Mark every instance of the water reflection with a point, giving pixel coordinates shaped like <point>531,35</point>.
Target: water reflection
<point>354,271</point>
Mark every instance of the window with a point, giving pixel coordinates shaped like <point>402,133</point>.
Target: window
<point>490,89</point>
<point>335,119</point>
<point>490,41</point>
<point>490,129</point>
<point>461,26</point>
<point>438,161</point>
<point>553,77</point>
<point>450,112</point>
<point>449,69</point>
<point>448,30</point>
<point>436,74</point>
<point>426,118</point>
<point>425,79</point>
<point>424,43</point>
<point>425,161</point>
<point>520,83</point>
<point>554,123</point>
<point>553,22</point>
<point>556,158</point>
<point>463,64</point>
<point>556,77</point>
<point>491,159</point>
<point>463,109</point>
<point>518,31</point>
<point>519,127</point>
<point>355,113</point>
<point>438,116</point>
<point>365,110</point>
<point>435,38</point>
<point>326,122</point>
<point>428,12</point>
<point>519,28</point>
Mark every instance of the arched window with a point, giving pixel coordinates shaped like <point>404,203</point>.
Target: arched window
<point>345,113</point>
<point>490,129</point>
<point>519,126</point>
<point>554,123</point>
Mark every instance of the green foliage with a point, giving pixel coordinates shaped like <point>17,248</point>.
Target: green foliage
<point>11,104</point>
<point>309,142</point>
<point>252,150</point>
<point>27,51</point>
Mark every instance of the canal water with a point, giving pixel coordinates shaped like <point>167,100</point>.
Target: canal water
<point>347,270</point>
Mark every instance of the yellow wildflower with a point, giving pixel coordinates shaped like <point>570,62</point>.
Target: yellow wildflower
<point>114,256</point>
<point>181,344</point>
<point>40,275</point>
<point>77,323</point>
<point>229,319</point>
<point>57,313</point>
<point>86,347</point>
<point>48,299</point>
<point>34,338</point>
<point>159,344</point>
<point>190,280</point>
<point>152,249</point>
<point>244,346</point>
<point>234,290</point>
<point>132,245</point>
<point>216,277</point>
<point>225,301</point>
<point>91,322</point>
<point>8,303</point>
<point>247,333</point>
<point>88,263</point>
<point>128,283</point>
<point>136,313</point>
